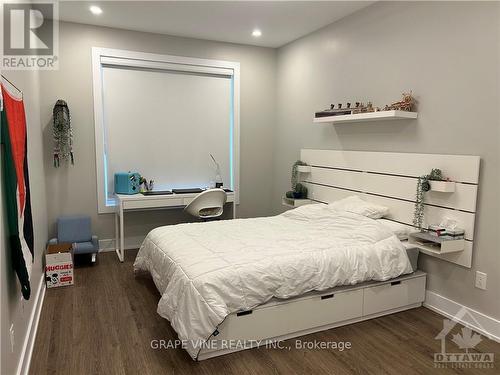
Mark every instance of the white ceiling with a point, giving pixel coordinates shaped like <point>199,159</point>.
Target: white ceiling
<point>280,21</point>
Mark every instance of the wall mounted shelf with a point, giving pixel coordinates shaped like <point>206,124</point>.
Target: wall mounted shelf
<point>369,116</point>
<point>294,203</point>
<point>304,168</point>
<point>434,244</point>
<point>443,186</point>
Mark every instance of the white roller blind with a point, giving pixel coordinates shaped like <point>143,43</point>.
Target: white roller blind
<point>164,125</point>
<point>161,65</point>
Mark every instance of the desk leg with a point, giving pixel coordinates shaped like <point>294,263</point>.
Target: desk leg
<point>122,235</point>
<point>119,234</point>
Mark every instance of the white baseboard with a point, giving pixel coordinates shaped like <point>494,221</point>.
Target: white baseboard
<point>484,324</point>
<point>29,341</point>
<point>130,243</point>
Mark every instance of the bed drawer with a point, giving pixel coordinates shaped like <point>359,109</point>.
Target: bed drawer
<point>299,315</point>
<point>393,295</point>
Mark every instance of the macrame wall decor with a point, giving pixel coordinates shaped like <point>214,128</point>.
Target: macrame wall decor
<point>63,135</point>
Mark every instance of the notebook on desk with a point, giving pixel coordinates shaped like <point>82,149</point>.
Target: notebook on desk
<point>187,191</point>
<point>159,192</point>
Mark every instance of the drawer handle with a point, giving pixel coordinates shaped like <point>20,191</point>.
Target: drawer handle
<point>243,313</point>
<point>327,296</point>
<point>395,283</point>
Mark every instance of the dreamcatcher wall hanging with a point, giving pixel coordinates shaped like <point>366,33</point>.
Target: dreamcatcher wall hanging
<point>63,134</point>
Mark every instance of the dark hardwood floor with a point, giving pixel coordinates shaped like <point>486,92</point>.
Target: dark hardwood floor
<point>105,323</point>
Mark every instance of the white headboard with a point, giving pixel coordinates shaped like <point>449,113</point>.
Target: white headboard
<point>390,179</point>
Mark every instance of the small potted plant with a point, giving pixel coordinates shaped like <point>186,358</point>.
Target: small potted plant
<point>299,191</point>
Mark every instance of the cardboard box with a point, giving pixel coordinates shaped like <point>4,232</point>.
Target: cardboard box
<point>59,265</point>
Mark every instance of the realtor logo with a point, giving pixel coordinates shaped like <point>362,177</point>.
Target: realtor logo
<point>30,35</point>
<point>466,340</point>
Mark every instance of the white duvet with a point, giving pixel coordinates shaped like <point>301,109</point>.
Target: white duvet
<point>205,271</point>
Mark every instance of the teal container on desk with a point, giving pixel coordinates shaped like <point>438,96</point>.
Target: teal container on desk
<point>127,183</point>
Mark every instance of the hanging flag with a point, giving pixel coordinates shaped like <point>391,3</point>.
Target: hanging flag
<point>16,185</point>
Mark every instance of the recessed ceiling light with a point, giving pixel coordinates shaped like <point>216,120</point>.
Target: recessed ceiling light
<point>95,10</point>
<point>256,33</point>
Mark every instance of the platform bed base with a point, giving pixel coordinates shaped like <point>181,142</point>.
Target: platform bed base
<point>314,312</point>
<point>268,342</point>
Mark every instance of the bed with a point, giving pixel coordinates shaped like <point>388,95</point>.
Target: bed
<point>207,271</point>
<point>261,280</point>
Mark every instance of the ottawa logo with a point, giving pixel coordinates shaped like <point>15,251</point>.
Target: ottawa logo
<point>466,340</point>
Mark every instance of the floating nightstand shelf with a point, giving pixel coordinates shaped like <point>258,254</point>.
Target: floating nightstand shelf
<point>443,186</point>
<point>304,168</point>
<point>367,116</point>
<point>294,203</point>
<point>434,244</point>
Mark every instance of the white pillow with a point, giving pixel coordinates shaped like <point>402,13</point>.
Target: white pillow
<point>306,212</point>
<point>356,205</point>
<point>402,231</point>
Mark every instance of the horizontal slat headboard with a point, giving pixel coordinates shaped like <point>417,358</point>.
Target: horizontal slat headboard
<point>390,179</point>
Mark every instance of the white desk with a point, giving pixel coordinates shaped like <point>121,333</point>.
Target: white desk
<point>148,202</point>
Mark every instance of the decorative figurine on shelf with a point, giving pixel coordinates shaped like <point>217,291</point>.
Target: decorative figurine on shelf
<point>406,104</point>
<point>357,108</point>
<point>348,110</point>
<point>298,191</point>
<point>332,111</point>
<point>361,108</point>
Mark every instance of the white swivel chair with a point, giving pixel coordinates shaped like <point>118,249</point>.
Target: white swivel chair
<point>208,204</point>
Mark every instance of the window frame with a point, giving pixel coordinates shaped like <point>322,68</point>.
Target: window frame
<point>115,57</point>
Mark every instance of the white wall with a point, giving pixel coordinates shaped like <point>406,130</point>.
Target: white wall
<point>13,308</point>
<point>448,54</point>
<point>72,189</point>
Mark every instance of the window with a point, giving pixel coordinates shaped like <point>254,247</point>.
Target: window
<point>162,116</point>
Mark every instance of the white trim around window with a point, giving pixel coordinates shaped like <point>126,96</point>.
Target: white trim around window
<point>112,57</point>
